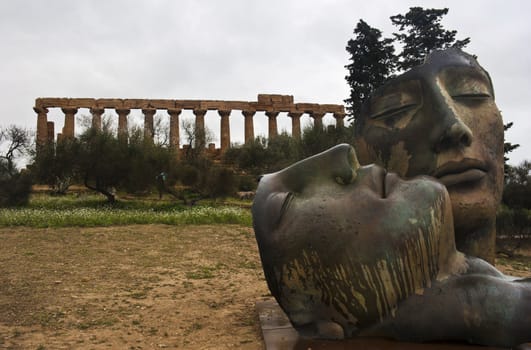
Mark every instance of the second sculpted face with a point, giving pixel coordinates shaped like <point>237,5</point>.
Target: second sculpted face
<point>440,119</point>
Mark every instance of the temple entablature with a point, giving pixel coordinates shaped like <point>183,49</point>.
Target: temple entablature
<point>271,104</point>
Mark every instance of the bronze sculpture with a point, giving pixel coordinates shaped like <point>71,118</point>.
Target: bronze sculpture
<point>356,251</point>
<point>440,119</point>
<point>350,250</point>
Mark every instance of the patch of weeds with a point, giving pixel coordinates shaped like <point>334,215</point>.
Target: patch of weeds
<point>217,305</point>
<point>102,322</point>
<point>196,326</point>
<point>41,347</point>
<point>248,265</point>
<point>203,272</point>
<point>138,295</point>
<point>49,318</point>
<point>244,320</point>
<point>136,322</point>
<point>16,333</point>
<point>153,331</point>
<point>82,311</point>
<point>83,325</point>
<point>153,279</point>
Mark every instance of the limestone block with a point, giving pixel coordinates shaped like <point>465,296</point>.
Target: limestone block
<point>239,105</point>
<point>54,102</point>
<point>287,99</point>
<point>81,102</point>
<point>116,103</point>
<point>276,98</point>
<point>332,108</point>
<point>281,107</point>
<point>161,104</point>
<point>264,99</point>
<point>212,105</point>
<point>257,106</point>
<point>135,103</point>
<point>188,104</point>
<point>307,107</point>
<point>38,102</point>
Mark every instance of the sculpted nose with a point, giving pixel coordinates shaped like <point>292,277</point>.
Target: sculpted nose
<point>456,135</point>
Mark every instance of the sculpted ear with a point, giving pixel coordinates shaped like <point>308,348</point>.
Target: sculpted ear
<point>272,210</point>
<point>338,163</point>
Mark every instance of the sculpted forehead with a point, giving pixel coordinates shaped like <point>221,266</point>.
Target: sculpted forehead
<point>454,71</point>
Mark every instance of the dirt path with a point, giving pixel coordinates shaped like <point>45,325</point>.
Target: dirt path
<point>132,287</point>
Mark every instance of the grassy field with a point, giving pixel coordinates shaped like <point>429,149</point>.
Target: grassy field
<point>92,210</point>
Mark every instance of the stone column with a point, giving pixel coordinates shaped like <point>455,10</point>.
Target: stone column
<point>317,119</point>
<point>174,129</point>
<point>149,130</point>
<point>70,119</point>
<point>339,120</point>
<point>200,127</point>
<point>122,123</point>
<point>42,128</point>
<point>224,130</point>
<point>50,132</point>
<point>273,132</point>
<point>295,124</point>
<point>249,126</point>
<point>96,117</point>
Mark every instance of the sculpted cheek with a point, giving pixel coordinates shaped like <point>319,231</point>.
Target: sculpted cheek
<point>367,153</point>
<point>399,159</point>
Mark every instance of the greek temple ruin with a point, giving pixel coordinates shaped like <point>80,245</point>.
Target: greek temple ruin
<point>271,104</point>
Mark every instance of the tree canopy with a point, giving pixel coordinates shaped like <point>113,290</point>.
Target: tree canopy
<point>420,32</point>
<point>373,59</point>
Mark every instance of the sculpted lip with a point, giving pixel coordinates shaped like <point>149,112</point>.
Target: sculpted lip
<point>391,179</point>
<point>467,170</point>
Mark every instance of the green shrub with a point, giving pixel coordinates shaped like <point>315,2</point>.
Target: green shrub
<point>189,175</point>
<point>15,190</point>
<point>247,183</point>
<point>221,182</point>
<point>513,222</point>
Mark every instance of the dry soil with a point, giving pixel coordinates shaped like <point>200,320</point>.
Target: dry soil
<point>137,287</point>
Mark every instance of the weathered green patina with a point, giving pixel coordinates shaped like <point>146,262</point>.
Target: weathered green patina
<point>440,119</point>
<point>352,250</point>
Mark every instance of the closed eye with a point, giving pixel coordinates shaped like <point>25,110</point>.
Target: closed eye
<point>472,96</point>
<point>392,112</point>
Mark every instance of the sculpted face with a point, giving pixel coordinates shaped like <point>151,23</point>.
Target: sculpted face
<point>440,119</point>
<point>352,250</point>
<point>348,243</point>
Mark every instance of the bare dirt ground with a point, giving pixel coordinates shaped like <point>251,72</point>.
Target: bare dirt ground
<point>137,287</point>
<point>130,287</point>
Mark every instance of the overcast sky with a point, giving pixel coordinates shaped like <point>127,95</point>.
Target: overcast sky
<point>232,50</point>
